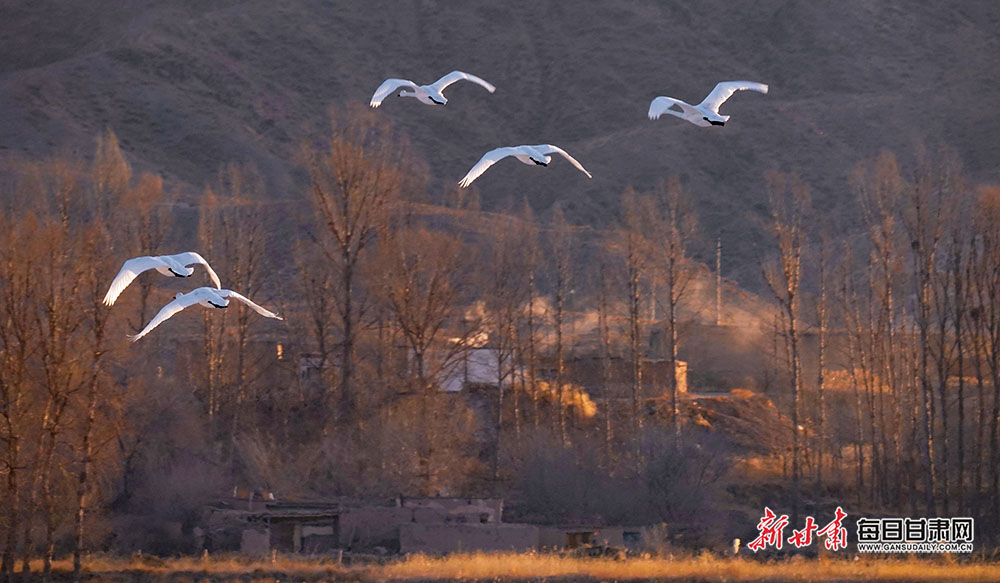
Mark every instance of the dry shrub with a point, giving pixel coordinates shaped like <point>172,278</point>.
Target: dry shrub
<point>675,484</point>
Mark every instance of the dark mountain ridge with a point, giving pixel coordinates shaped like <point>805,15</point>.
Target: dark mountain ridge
<point>189,86</point>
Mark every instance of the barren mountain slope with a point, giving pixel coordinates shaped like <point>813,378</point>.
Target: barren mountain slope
<point>191,85</point>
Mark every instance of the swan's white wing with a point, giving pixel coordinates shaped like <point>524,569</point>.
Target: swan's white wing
<point>190,258</point>
<point>167,311</point>
<point>725,89</point>
<point>387,88</point>
<point>129,271</point>
<point>489,158</point>
<point>550,149</point>
<point>454,76</point>
<point>226,293</point>
<point>661,105</point>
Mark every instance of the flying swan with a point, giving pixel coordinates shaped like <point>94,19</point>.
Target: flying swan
<point>176,265</point>
<point>430,94</point>
<point>526,154</point>
<point>206,296</point>
<point>705,113</point>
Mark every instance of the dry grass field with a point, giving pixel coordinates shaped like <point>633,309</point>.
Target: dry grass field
<point>536,567</point>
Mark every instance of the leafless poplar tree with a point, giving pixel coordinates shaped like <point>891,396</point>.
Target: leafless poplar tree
<point>923,216</point>
<point>419,283</point>
<point>635,247</point>
<point>353,185</point>
<point>234,235</point>
<point>676,226</point>
<point>789,202</point>
<point>561,242</point>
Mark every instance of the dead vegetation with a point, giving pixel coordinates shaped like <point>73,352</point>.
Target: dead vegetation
<point>523,567</point>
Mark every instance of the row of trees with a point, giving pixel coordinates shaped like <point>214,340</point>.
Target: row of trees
<point>400,277</point>
<point>911,306</point>
<point>385,294</point>
<point>921,314</point>
<point>58,408</point>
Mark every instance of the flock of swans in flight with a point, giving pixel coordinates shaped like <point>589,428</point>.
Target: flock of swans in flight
<point>705,114</point>
<point>177,266</point>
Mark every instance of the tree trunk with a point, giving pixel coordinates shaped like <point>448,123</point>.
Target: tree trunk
<point>793,339</point>
<point>82,481</point>
<point>820,366</point>
<point>560,360</point>
<point>10,546</point>
<point>927,408</point>
<point>347,346</point>
<point>672,348</point>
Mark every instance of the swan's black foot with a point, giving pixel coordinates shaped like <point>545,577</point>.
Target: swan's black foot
<point>218,306</point>
<point>716,123</point>
<point>539,163</point>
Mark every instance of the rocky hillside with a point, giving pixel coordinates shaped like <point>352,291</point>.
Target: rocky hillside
<point>191,85</point>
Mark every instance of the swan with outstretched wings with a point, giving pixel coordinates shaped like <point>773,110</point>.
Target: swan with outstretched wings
<point>706,113</point>
<point>539,155</point>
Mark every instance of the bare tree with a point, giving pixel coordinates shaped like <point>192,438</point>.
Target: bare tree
<point>850,306</point>
<point>353,185</point>
<point>212,325</point>
<point>233,230</point>
<point>111,174</point>
<point>986,321</point>
<point>505,296</point>
<point>58,323</point>
<point>878,187</point>
<point>604,336</point>
<point>959,267</point>
<point>97,240</point>
<point>789,201</point>
<point>822,318</point>
<point>923,219</point>
<point>18,344</point>
<point>419,283</point>
<point>949,183</point>
<point>531,254</point>
<point>635,246</point>
<point>676,226</point>
<point>561,242</point>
